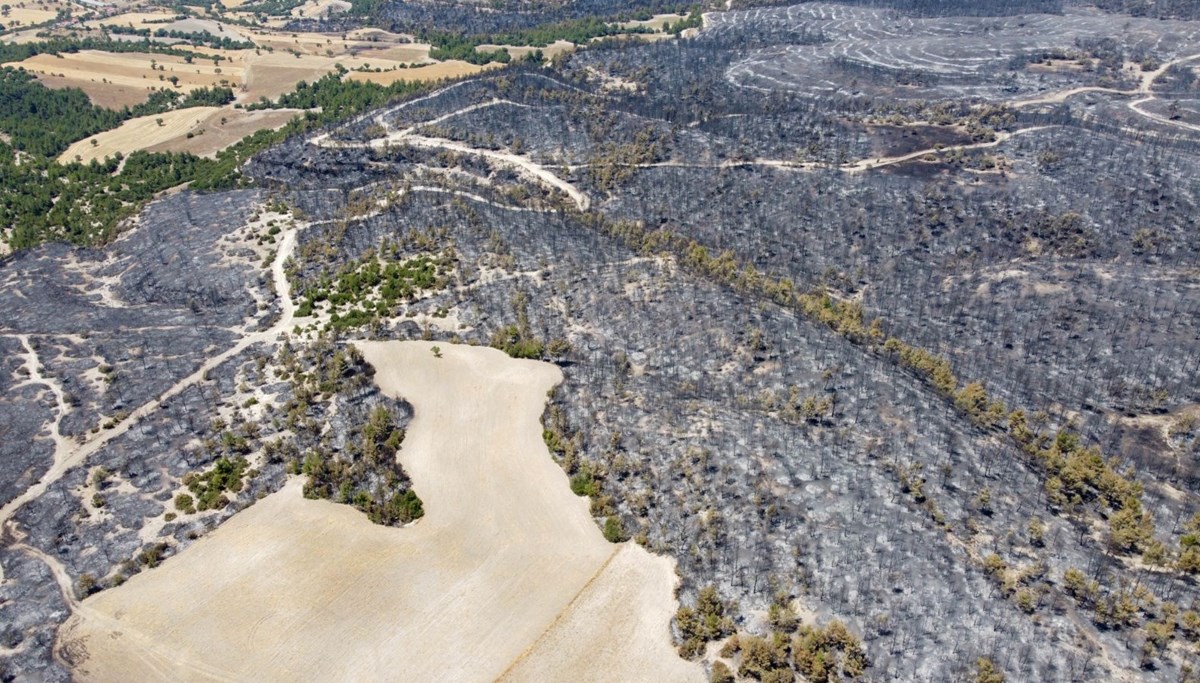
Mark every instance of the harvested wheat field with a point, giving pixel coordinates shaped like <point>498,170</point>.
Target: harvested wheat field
<point>138,133</point>
<point>26,16</point>
<point>506,576</point>
<point>217,136</point>
<point>103,95</point>
<point>96,72</point>
<point>558,47</point>
<point>150,20</point>
<point>271,75</point>
<point>429,72</point>
<point>319,8</point>
<point>212,129</point>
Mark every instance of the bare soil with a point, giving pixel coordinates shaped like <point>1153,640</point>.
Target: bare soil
<point>506,575</point>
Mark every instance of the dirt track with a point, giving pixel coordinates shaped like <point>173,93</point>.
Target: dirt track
<point>506,575</point>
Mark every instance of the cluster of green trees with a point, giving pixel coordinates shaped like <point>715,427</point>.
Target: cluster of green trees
<point>367,475</point>
<point>42,200</point>
<point>44,122</point>
<point>587,479</point>
<point>370,288</point>
<point>271,7</point>
<point>693,20</point>
<point>164,99</point>
<point>819,654</point>
<point>519,341</point>
<point>445,46</point>
<point>711,619</point>
<point>209,488</point>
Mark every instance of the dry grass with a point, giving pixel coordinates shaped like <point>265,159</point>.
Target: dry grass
<point>139,133</point>
<point>658,22</point>
<point>320,44</point>
<point>320,8</point>
<point>110,96</point>
<point>217,136</point>
<point>150,20</point>
<point>506,576</point>
<point>212,129</point>
<point>29,12</point>
<point>270,75</point>
<point>96,72</point>
<point>519,51</point>
<point>18,17</point>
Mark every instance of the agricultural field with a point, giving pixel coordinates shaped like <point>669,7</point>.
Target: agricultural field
<point>133,74</point>
<point>202,131</point>
<point>827,342</point>
<point>462,575</point>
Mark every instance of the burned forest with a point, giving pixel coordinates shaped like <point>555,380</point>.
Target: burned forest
<point>880,320</point>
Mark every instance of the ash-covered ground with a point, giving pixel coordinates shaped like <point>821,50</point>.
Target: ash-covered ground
<point>869,316</point>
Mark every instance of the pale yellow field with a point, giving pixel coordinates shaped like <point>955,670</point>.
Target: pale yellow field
<point>429,72</point>
<point>217,136</point>
<point>309,43</point>
<point>658,22</point>
<point>518,51</point>
<point>29,12</point>
<point>138,133</point>
<point>210,135</point>
<point>94,71</point>
<point>150,20</point>
<point>17,17</point>
<point>272,74</point>
<point>319,8</point>
<point>412,53</point>
<point>22,37</point>
<point>506,577</point>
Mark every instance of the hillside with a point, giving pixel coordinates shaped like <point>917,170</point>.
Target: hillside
<point>881,322</point>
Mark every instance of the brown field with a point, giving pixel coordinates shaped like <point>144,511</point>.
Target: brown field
<point>505,577</point>
<point>429,72</point>
<point>412,53</point>
<point>138,133</point>
<point>209,134</point>
<point>96,72</point>
<point>272,74</point>
<point>111,96</point>
<point>217,136</point>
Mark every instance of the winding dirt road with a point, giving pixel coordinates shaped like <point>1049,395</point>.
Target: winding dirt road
<point>69,454</point>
